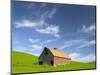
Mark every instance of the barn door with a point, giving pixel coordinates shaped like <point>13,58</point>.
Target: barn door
<point>52,62</point>
<point>40,62</point>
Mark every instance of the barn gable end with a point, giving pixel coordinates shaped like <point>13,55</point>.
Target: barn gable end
<point>46,57</point>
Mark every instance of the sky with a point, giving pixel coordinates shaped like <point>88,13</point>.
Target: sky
<point>70,28</point>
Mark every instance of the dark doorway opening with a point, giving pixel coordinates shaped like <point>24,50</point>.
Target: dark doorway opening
<point>40,62</point>
<point>52,63</point>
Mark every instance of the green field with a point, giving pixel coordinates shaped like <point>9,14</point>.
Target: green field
<point>27,63</point>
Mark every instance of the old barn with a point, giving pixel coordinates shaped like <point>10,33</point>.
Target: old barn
<point>54,57</point>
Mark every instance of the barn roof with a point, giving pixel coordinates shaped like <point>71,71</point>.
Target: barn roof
<point>58,53</point>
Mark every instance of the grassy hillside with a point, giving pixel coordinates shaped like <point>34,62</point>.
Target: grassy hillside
<point>27,63</point>
<point>20,57</point>
<point>93,63</point>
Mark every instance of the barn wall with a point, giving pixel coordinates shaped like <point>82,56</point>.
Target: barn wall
<point>46,58</point>
<point>61,61</point>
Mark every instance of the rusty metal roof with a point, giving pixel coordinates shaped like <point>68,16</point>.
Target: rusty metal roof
<point>58,53</point>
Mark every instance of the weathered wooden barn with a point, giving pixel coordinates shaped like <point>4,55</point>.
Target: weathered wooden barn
<point>54,57</point>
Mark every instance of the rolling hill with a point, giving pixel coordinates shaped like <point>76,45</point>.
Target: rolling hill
<point>27,63</point>
<point>93,63</point>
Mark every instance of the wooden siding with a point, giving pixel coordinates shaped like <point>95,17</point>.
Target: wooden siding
<point>61,61</point>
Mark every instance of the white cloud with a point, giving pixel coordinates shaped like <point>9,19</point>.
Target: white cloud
<point>52,12</point>
<point>52,30</point>
<point>36,47</point>
<point>47,41</point>
<point>49,13</point>
<point>89,30</point>
<point>81,43</point>
<point>40,42</point>
<point>39,26</point>
<point>64,46</point>
<point>71,43</point>
<point>33,40</point>
<point>44,15</point>
<point>29,24</point>
<point>87,44</point>
<point>80,58</point>
<point>74,55</point>
<point>88,58</point>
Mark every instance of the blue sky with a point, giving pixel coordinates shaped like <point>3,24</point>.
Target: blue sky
<point>70,28</point>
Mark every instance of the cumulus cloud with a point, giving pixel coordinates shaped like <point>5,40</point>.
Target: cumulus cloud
<point>40,42</point>
<point>47,41</point>
<point>81,43</point>
<point>36,47</point>
<point>71,43</point>
<point>88,58</point>
<point>52,30</point>
<point>89,30</point>
<point>80,58</point>
<point>39,26</point>
<point>87,44</point>
<point>29,24</point>
<point>52,12</point>
<point>37,44</point>
<point>64,46</point>
<point>49,13</point>
<point>74,55</point>
<point>33,40</point>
